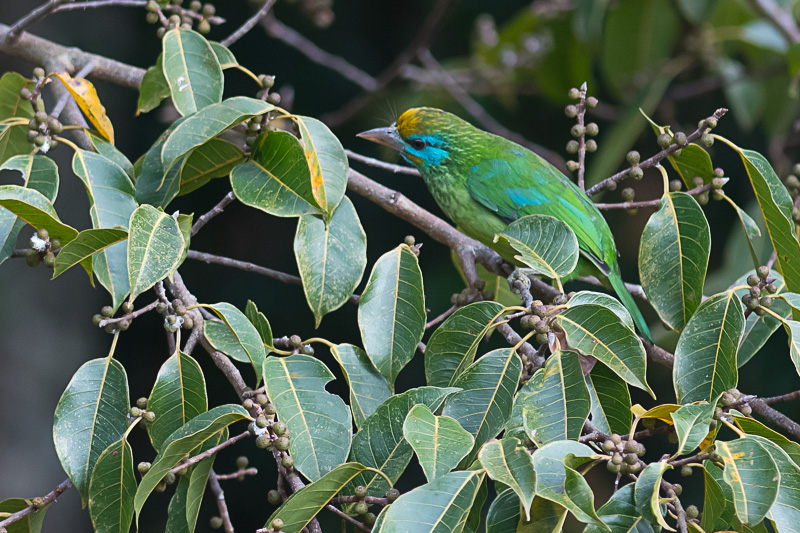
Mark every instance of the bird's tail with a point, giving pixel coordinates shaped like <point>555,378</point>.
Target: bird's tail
<point>630,304</point>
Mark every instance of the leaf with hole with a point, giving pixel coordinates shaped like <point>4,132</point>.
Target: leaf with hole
<point>439,441</point>
<point>368,388</point>
<point>319,421</point>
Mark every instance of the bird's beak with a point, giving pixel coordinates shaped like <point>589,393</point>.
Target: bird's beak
<point>385,136</point>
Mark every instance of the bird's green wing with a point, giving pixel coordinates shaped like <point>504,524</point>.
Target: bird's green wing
<point>526,185</point>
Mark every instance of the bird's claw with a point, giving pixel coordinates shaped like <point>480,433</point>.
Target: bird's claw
<point>520,283</point>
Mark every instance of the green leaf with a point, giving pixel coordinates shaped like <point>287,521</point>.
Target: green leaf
<point>156,185</point>
<point>111,489</point>
<point>754,427</point>
<point>242,334</point>
<point>508,462</point>
<point>31,523</point>
<point>178,395</point>
<point>776,205</point>
<point>439,441</point>
<point>298,510</point>
<point>476,511</point>
<point>110,152</point>
<point>484,404</point>
<point>261,323</point>
<point>785,512</point>
<point>646,493</point>
<point>441,505</point>
<point>705,358</point>
<point>190,437</point>
<point>758,329</point>
<point>380,443</point>
<point>319,421</point>
<point>39,173</point>
<point>208,123</point>
<point>545,244</point>
<point>599,298</point>
<point>331,257</point>
<point>558,403</point>
<point>276,179</point>
<point>224,55</point>
<point>753,476</point>
<point>673,258</point>
<point>111,200</point>
<point>691,425</point>
<point>327,162</point>
<point>34,208</point>
<point>504,513</point>
<point>155,248</point>
<point>453,345</point>
<point>595,330</point>
<point>694,161</point>
<point>793,330</point>
<point>560,483</point>
<point>750,229</point>
<point>154,88</point>
<point>192,71</point>
<point>391,311</point>
<point>85,245</point>
<point>213,159</point>
<point>620,514</point>
<point>15,140</point>
<point>610,400</point>
<point>718,512</point>
<point>368,388</point>
<point>91,415</point>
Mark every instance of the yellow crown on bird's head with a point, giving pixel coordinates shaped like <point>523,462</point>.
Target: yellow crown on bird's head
<point>419,121</point>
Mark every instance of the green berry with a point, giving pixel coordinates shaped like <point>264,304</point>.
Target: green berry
<point>608,445</point>
<point>541,338</point>
<point>664,140</point>
<point>763,272</point>
<point>282,444</point>
<point>287,461</point>
<point>270,409</point>
<point>215,522</point>
<point>273,497</point>
<point>617,458</point>
<point>107,311</point>
<point>703,198</point>
<point>143,467</point>
<point>392,495</point>
<point>528,322</point>
<point>361,491</point>
<point>752,280</point>
<point>745,409</point>
<point>151,5</point>
<point>33,258</point>
<point>209,10</point>
<point>711,122</point>
<point>633,157</point>
<point>25,93</point>
<point>686,470</point>
<point>41,117</point>
<point>771,288</point>
<point>127,308</point>
<point>261,421</point>
<point>707,140</point>
<point>792,182</point>
<point>279,428</point>
<point>96,319</point>
<point>135,412</point>
<point>242,462</point>
<point>151,17</point>
<point>574,94</point>
<point>43,234</point>
<point>161,487</point>
<point>169,479</point>
<point>675,185</point>
<point>577,130</point>
<point>369,518</point>
<point>591,145</point>
<point>572,147</point>
<point>263,441</point>
<point>571,111</point>
<point>40,140</point>
<point>38,72</point>
<point>591,102</point>
<point>204,27</point>
<point>692,511</point>
<point>679,138</point>
<point>613,468</point>
<point>572,166</point>
<point>31,135</point>
<point>160,32</point>
<point>248,404</point>
<point>592,129</point>
<point>628,194</point>
<point>636,173</point>
<point>765,301</point>
<point>361,508</point>
<point>149,416</point>
<point>161,308</point>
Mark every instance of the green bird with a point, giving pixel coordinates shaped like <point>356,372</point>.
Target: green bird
<point>483,182</point>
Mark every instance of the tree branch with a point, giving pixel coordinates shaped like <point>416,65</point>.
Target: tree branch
<point>222,506</point>
<point>38,51</point>
<point>46,500</point>
<point>377,163</point>
<point>209,452</point>
<point>216,210</point>
<point>278,30</point>
<point>249,24</point>
<point>34,16</point>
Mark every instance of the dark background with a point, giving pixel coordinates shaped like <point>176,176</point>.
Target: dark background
<point>45,327</point>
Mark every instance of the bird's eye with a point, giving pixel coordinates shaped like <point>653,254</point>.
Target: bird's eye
<point>418,144</point>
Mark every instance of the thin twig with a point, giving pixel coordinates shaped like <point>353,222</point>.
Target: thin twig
<point>46,500</point>
<point>699,458</point>
<point>249,24</point>
<point>776,417</point>
<point>238,474</point>
<point>278,30</point>
<point>174,8</point>
<point>652,161</point>
<point>582,139</point>
<point>486,120</point>
<point>439,319</point>
<point>635,290</point>
<point>377,163</point>
<point>130,316</point>
<point>222,506</point>
<point>782,398</point>
<point>203,219</point>
<point>209,452</point>
<point>347,517</point>
<point>34,16</point>
<point>651,203</point>
<point>428,29</point>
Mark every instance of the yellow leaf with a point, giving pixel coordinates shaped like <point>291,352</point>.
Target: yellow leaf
<point>86,97</point>
<point>660,412</point>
